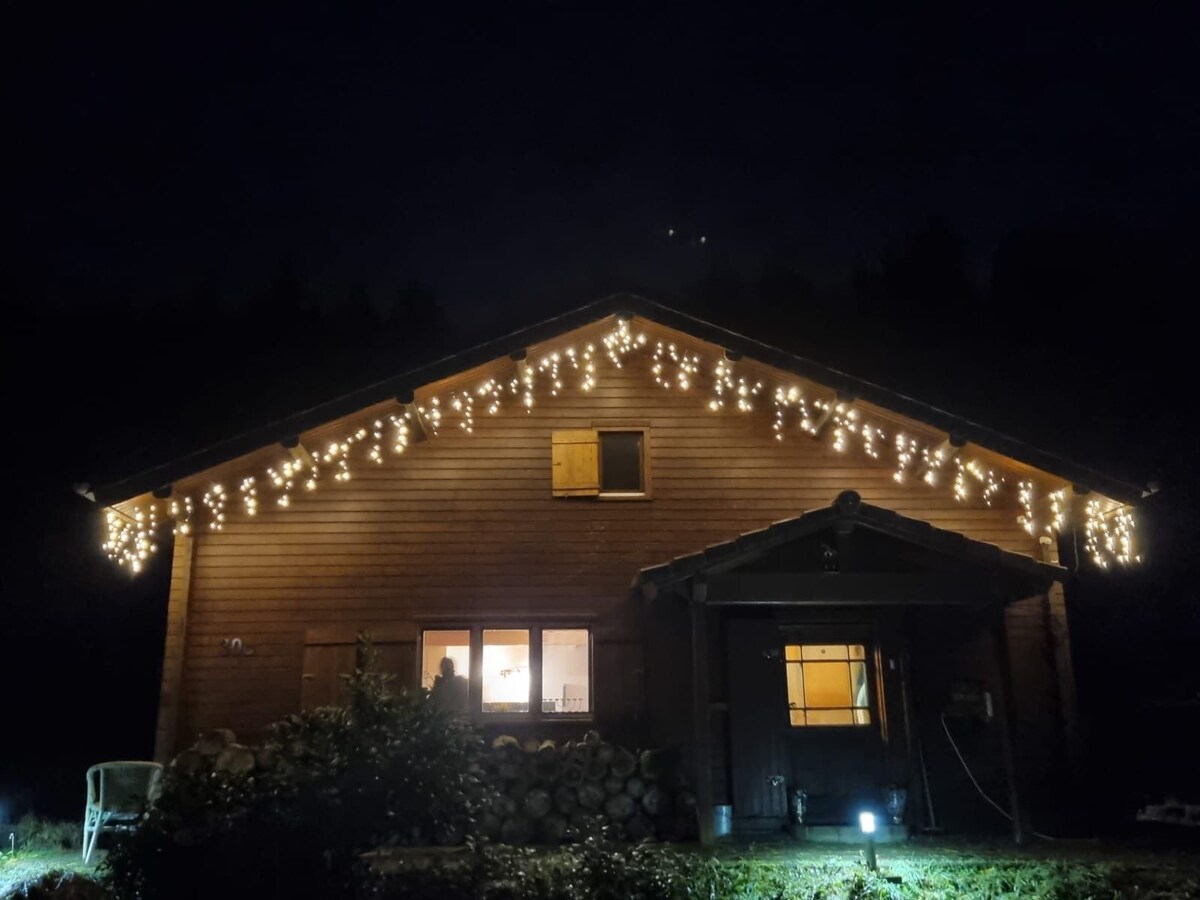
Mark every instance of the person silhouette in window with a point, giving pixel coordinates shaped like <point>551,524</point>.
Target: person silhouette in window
<point>450,689</point>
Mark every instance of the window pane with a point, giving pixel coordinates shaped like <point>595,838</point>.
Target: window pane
<point>826,685</point>
<point>621,461</point>
<point>795,685</point>
<point>506,670</point>
<point>440,645</point>
<point>565,673</point>
<point>824,651</point>
<point>830,717</point>
<point>858,684</point>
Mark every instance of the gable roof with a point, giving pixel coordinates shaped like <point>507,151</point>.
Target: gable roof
<point>847,508</point>
<point>404,384</point>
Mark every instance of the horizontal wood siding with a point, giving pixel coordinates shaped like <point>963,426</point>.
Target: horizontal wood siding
<point>464,527</point>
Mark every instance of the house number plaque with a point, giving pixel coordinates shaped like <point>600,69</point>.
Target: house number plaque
<point>235,647</point>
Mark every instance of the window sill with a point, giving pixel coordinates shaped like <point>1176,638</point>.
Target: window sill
<point>623,495</point>
<point>528,718</point>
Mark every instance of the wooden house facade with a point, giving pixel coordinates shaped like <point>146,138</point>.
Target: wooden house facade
<point>632,521</point>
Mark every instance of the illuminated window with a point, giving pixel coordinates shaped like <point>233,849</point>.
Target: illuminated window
<point>622,469</point>
<point>827,684</point>
<point>511,666</point>
<point>566,671</point>
<point>440,645</point>
<point>506,670</point>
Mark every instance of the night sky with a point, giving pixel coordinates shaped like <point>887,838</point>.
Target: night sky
<point>219,219</point>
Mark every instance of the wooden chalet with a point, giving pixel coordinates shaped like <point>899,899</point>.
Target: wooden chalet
<point>630,520</point>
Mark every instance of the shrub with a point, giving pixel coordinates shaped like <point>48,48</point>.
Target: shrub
<point>34,833</point>
<point>389,768</point>
<point>61,885</point>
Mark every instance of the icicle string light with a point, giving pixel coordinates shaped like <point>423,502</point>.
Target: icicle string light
<point>1109,527</point>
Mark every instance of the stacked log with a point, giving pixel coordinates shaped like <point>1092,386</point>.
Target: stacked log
<point>219,751</point>
<point>555,793</point>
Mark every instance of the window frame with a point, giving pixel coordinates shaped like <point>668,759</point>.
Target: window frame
<point>475,676</point>
<point>873,686</point>
<point>623,428</point>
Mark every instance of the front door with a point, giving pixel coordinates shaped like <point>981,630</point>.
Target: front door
<point>757,717</point>
<point>804,714</point>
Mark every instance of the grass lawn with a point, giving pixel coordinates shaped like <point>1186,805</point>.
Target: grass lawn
<point>25,866</point>
<point>919,869</point>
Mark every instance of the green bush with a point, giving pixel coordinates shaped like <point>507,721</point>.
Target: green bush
<point>387,769</point>
<point>34,833</point>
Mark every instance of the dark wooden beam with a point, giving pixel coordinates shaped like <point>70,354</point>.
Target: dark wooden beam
<point>701,721</point>
<point>1006,714</point>
<point>1059,636</point>
<point>163,491</point>
<point>856,589</point>
<point>300,453</point>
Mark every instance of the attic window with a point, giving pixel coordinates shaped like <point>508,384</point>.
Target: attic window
<point>609,463</point>
<point>622,469</point>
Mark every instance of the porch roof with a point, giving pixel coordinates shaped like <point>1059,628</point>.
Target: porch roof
<point>847,509</point>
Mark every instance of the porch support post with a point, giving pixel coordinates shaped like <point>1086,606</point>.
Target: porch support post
<point>174,648</point>
<point>702,730</point>
<point>1060,639</point>
<point>1007,719</point>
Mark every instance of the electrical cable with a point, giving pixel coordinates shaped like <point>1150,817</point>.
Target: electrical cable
<point>1000,809</point>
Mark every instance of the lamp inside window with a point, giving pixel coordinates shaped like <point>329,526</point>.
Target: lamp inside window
<point>827,684</point>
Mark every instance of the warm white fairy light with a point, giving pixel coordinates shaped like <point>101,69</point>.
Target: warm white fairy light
<point>685,369</point>
<point>1058,510</point>
<point>845,420</point>
<point>131,540</point>
<point>724,386</point>
<point>181,511</point>
<point>785,400</point>
<point>493,393</point>
<point>1025,498</point>
<point>399,433</point>
<point>988,478</point>
<point>464,405</point>
<point>432,415</point>
<point>523,384</point>
<point>1109,534</point>
<point>376,453</point>
<point>934,460</point>
<point>588,364</point>
<point>872,436</point>
<point>549,366</point>
<point>621,341</point>
<point>249,491</point>
<point>214,499</point>
<point>672,366</point>
<point>907,450</point>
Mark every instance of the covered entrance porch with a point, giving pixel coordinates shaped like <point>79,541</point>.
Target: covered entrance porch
<point>828,655</point>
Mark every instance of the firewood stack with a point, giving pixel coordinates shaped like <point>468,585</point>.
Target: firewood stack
<point>219,751</point>
<point>552,794</point>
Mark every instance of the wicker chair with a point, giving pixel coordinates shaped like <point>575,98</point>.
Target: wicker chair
<point>118,794</point>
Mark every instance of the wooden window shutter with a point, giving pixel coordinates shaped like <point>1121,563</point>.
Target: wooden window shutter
<point>576,463</point>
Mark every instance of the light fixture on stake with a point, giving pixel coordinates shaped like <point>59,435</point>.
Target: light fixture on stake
<point>866,824</point>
